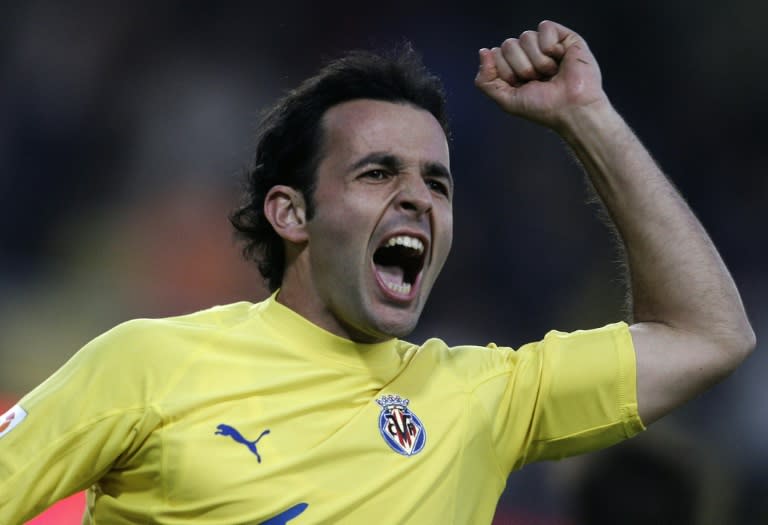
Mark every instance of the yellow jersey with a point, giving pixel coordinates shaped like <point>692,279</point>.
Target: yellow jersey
<point>250,414</point>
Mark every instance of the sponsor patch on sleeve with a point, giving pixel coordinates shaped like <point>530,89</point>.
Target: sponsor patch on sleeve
<point>11,419</point>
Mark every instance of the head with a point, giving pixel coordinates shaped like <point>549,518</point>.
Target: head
<point>311,129</point>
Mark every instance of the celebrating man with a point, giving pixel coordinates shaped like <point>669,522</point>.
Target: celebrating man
<point>308,407</point>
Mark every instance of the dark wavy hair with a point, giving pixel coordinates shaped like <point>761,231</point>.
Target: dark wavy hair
<point>290,137</point>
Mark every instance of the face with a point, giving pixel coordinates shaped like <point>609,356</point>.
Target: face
<point>382,226</point>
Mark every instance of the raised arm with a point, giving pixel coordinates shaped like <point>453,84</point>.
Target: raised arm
<point>690,329</point>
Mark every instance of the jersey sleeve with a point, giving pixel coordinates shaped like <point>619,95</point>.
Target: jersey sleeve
<point>76,425</point>
<point>564,395</point>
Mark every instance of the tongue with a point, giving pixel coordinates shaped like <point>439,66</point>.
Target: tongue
<point>390,274</point>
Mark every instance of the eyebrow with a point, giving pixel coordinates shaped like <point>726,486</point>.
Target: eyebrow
<point>395,163</point>
<point>387,160</point>
<point>438,171</point>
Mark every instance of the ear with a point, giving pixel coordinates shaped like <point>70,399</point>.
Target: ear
<point>286,211</point>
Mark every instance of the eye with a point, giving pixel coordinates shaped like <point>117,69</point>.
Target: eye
<point>438,186</point>
<point>377,174</point>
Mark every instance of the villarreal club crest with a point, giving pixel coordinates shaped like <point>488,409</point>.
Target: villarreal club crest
<point>400,428</point>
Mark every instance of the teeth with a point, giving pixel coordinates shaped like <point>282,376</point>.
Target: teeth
<point>403,289</point>
<point>409,242</point>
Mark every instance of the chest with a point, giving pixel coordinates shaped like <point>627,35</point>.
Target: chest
<point>332,448</point>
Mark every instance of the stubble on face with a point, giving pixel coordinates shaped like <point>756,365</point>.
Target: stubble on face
<point>383,178</point>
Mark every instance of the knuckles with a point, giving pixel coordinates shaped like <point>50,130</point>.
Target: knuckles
<point>509,43</point>
<point>527,73</point>
<point>529,37</point>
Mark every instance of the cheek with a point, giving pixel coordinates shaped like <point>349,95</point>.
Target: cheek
<point>443,227</point>
<point>329,218</point>
<point>445,240</point>
<point>337,242</point>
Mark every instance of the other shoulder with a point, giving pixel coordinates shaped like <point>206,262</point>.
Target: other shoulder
<point>215,318</point>
<point>155,337</point>
<point>466,363</point>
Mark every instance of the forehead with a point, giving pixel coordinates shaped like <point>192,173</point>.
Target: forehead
<point>358,127</point>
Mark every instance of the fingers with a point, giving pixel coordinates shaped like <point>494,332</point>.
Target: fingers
<point>542,75</point>
<point>488,70</point>
<point>535,55</point>
<point>489,78</point>
<point>551,35</point>
<point>503,68</point>
<point>527,58</point>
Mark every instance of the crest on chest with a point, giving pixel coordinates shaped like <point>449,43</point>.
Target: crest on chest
<point>401,429</point>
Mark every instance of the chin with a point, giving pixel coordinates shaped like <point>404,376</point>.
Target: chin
<point>397,327</point>
<point>399,332</point>
<point>383,321</point>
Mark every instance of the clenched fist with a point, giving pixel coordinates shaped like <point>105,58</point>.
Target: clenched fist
<point>547,76</point>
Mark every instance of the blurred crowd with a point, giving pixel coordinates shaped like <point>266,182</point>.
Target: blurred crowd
<point>125,128</point>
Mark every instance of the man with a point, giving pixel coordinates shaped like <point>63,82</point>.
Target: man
<point>307,407</point>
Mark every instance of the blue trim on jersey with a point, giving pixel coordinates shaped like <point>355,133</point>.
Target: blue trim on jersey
<point>286,516</point>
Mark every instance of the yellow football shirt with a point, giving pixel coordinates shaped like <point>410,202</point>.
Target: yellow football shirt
<point>249,414</point>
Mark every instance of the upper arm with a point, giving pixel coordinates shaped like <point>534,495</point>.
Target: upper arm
<point>77,424</point>
<point>567,394</point>
<point>675,365</point>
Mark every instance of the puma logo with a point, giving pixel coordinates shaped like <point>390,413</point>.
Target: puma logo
<point>226,430</point>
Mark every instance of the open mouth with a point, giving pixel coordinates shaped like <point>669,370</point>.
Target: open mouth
<point>398,263</point>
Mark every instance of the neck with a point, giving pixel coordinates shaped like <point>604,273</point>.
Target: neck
<point>303,301</point>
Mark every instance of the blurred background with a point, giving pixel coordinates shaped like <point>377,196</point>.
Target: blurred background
<point>125,128</point>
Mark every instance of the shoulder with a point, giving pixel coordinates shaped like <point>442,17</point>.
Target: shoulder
<point>475,363</point>
<point>146,332</point>
<point>163,342</point>
<point>466,364</point>
<point>133,365</point>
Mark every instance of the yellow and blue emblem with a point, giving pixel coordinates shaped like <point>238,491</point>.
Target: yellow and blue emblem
<point>400,428</point>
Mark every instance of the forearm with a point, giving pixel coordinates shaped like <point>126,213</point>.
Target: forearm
<point>690,327</point>
<point>677,276</point>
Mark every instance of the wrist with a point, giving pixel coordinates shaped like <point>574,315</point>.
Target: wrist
<point>596,119</point>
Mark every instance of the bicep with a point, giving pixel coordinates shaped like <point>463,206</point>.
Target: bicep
<point>673,366</point>
<point>572,393</point>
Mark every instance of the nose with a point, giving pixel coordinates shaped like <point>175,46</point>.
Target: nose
<point>414,195</point>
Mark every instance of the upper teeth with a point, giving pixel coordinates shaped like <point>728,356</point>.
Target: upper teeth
<point>409,242</point>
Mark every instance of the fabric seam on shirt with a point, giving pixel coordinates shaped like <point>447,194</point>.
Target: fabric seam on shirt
<point>161,398</point>
<point>489,424</point>
<point>633,424</point>
<point>612,423</point>
<point>462,450</point>
<point>621,405</point>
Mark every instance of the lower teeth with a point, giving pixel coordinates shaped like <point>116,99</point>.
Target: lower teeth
<point>404,288</point>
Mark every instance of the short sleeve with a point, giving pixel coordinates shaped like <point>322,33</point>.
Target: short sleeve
<point>564,395</point>
<point>76,425</point>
